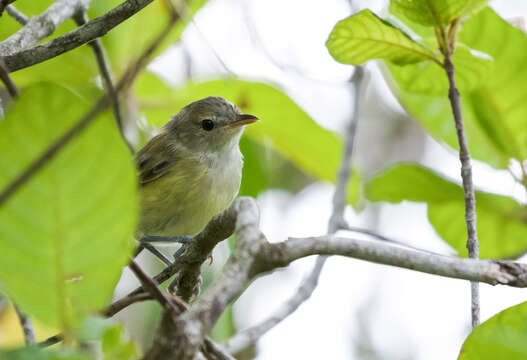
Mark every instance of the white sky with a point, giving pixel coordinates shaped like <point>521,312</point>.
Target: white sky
<point>408,315</point>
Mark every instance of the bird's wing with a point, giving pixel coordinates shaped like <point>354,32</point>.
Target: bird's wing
<point>152,160</point>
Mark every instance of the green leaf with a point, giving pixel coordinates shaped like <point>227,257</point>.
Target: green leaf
<point>493,108</point>
<point>437,13</point>
<point>473,7</point>
<point>500,337</point>
<point>364,36</point>
<point>499,100</point>
<point>428,78</point>
<point>264,168</point>
<point>500,220</point>
<point>116,345</point>
<point>38,353</point>
<point>284,126</point>
<point>67,233</point>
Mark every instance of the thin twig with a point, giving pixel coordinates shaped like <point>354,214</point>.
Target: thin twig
<point>6,79</point>
<point>103,102</point>
<point>152,287</point>
<point>468,186</point>
<point>248,336</point>
<point>16,14</point>
<point>377,236</point>
<point>93,29</point>
<point>27,326</point>
<point>120,304</point>
<point>52,340</point>
<point>81,18</point>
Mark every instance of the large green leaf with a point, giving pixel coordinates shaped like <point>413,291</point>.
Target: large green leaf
<point>284,126</point>
<point>501,227</point>
<point>67,233</point>
<point>500,337</point>
<point>435,13</point>
<point>364,36</point>
<point>499,100</point>
<point>493,110</point>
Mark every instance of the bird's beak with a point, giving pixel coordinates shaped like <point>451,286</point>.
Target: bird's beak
<point>242,119</point>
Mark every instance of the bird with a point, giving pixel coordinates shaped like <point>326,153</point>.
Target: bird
<point>189,172</point>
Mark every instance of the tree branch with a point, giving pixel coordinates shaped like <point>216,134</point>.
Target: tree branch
<point>16,14</point>
<point>180,338</point>
<point>41,26</point>
<point>248,336</point>
<point>196,253</point>
<point>93,29</point>
<point>81,19</point>
<point>466,175</point>
<point>103,102</point>
<point>492,272</point>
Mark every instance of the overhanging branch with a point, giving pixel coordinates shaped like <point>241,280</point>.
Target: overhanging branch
<point>41,26</point>
<point>93,29</point>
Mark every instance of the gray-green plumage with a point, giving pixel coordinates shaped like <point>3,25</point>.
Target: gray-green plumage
<point>189,173</point>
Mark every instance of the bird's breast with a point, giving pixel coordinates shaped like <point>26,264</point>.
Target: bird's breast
<point>184,200</point>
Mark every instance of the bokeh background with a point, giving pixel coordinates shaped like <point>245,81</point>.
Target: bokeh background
<point>360,310</point>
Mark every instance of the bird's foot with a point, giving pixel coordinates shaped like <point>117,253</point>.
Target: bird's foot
<point>146,243</point>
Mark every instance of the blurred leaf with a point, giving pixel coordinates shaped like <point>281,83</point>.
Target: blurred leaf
<point>500,337</point>
<point>67,233</point>
<point>116,345</point>
<point>284,126</point>
<point>264,168</point>
<point>224,327</point>
<point>501,224</point>
<point>38,353</point>
<point>428,78</point>
<point>131,37</point>
<point>493,110</point>
<point>436,13</point>
<point>93,327</point>
<point>364,36</point>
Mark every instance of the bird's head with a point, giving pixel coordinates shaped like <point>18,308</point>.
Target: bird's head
<point>209,125</point>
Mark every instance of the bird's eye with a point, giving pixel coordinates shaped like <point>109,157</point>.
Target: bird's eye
<point>207,124</point>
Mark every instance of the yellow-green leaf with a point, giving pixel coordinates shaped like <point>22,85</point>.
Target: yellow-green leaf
<point>66,234</point>
<point>364,36</point>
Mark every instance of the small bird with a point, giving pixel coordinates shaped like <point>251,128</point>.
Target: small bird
<point>191,171</point>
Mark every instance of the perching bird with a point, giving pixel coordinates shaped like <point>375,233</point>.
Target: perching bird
<point>191,171</point>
